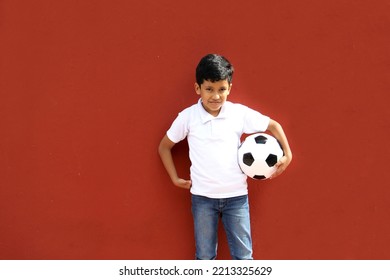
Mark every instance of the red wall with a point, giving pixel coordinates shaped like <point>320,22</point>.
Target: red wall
<point>88,88</point>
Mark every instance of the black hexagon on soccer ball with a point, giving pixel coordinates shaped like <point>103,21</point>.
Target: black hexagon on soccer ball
<point>261,139</point>
<point>271,160</point>
<point>248,159</point>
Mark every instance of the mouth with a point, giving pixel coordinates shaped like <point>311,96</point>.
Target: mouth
<point>215,105</point>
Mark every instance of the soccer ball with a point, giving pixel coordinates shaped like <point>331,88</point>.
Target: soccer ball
<point>258,154</point>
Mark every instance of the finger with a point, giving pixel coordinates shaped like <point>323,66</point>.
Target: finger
<point>278,171</point>
<point>187,184</point>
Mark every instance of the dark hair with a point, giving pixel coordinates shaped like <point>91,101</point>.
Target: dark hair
<point>213,68</point>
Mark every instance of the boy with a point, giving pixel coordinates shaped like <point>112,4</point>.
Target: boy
<point>218,187</point>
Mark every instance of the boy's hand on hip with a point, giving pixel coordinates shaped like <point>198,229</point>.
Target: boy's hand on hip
<point>181,183</point>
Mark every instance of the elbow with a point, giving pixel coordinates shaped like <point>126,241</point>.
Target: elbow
<point>163,147</point>
<point>273,125</point>
<point>160,149</point>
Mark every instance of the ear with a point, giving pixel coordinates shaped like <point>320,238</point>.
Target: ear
<point>230,88</point>
<point>197,88</point>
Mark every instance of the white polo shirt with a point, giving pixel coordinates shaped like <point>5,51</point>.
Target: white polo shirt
<point>213,144</point>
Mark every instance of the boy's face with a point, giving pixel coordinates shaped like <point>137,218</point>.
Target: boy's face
<point>213,95</point>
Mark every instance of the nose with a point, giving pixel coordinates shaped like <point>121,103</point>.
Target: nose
<point>216,96</point>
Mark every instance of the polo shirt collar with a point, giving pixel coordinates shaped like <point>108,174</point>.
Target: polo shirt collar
<point>205,116</point>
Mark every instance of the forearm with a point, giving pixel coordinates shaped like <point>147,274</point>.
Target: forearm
<point>167,160</point>
<point>277,131</point>
<point>164,150</point>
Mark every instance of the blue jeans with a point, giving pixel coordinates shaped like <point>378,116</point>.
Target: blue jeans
<point>234,213</point>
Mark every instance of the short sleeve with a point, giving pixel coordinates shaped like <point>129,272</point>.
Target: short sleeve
<point>179,128</point>
<point>254,121</point>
